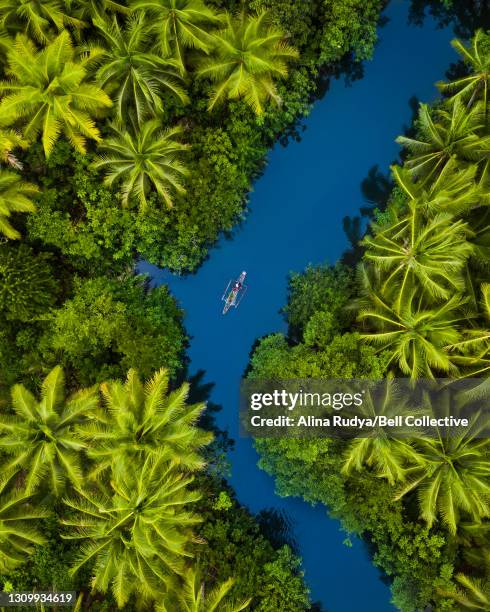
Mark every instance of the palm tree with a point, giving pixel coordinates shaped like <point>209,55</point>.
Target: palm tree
<point>179,25</point>
<point>190,595</point>
<point>137,529</point>
<point>141,420</point>
<point>136,77</point>
<point>453,190</point>
<point>475,592</point>
<point>48,92</point>
<point>39,439</point>
<point>417,336</point>
<point>15,196</point>
<point>474,86</point>
<point>385,454</point>
<point>17,536</point>
<point>149,160</point>
<point>413,252</point>
<point>36,17</point>
<point>444,135</point>
<point>248,55</point>
<point>451,473</point>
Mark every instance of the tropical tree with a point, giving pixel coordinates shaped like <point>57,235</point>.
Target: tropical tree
<point>17,532</point>
<point>443,135</point>
<point>143,419</point>
<point>416,336</point>
<point>415,252</point>
<point>145,161</point>
<point>451,473</point>
<point>39,438</point>
<point>474,86</point>
<point>135,76</point>
<point>28,285</point>
<point>249,54</point>
<point>15,196</point>
<point>384,454</point>
<point>136,529</point>
<point>48,92</point>
<point>452,191</point>
<point>190,595</point>
<point>178,25</point>
<point>38,18</point>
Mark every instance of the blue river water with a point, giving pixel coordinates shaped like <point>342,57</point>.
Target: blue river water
<point>295,218</point>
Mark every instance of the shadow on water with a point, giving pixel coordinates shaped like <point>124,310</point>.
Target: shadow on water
<point>465,16</point>
<point>376,189</point>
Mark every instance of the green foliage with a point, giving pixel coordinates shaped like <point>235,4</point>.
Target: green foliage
<point>135,77</point>
<point>137,528</point>
<point>192,595</point>
<point>236,549</point>
<point>150,159</point>
<point>28,285</point>
<point>15,196</point>
<point>350,26</point>
<point>39,438</point>
<point>450,474</point>
<point>48,92</point>
<point>108,327</point>
<point>179,26</point>
<point>248,54</point>
<point>321,293</point>
<point>143,420</point>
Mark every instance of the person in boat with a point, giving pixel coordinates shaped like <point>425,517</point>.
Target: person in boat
<point>238,286</point>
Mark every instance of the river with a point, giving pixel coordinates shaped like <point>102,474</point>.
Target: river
<point>295,218</point>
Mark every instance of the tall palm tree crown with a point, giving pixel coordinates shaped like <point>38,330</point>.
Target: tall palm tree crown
<point>40,439</point>
<point>416,252</point>
<point>416,335</point>
<point>249,54</point>
<point>451,472</point>
<point>444,135</point>
<point>48,93</point>
<point>144,162</point>
<point>137,529</point>
<point>136,76</point>
<point>178,25</point>
<point>145,419</point>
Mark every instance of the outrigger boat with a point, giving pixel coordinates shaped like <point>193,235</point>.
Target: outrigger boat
<point>234,292</point>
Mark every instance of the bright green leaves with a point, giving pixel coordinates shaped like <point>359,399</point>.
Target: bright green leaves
<point>40,439</point>
<point>136,530</point>
<point>144,420</point>
<point>48,93</point>
<point>15,196</point>
<point>249,54</point>
<point>149,160</point>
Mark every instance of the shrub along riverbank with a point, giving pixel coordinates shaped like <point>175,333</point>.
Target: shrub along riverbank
<point>422,299</point>
<point>134,130</point>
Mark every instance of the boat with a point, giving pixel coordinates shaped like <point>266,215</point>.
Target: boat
<point>234,292</point>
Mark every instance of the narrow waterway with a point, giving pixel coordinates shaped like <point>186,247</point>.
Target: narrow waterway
<point>295,218</point>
